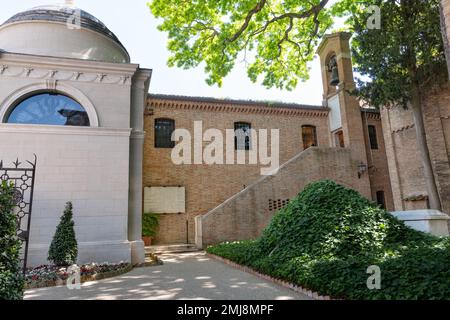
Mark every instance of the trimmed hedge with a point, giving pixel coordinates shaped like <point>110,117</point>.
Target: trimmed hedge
<point>63,250</point>
<point>328,236</point>
<point>11,279</point>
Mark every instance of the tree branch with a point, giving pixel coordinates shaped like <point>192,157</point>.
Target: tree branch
<point>260,5</point>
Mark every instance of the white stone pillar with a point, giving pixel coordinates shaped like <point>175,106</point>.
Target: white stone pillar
<point>139,92</point>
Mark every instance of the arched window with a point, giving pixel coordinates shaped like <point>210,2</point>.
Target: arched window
<point>163,133</point>
<point>242,136</point>
<point>49,109</point>
<point>309,135</point>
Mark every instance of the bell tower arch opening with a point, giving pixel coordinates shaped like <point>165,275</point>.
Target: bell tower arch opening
<point>345,122</point>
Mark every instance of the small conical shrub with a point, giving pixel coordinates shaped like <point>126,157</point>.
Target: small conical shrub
<point>11,279</point>
<point>64,249</point>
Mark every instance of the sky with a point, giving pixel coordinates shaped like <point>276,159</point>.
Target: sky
<point>133,23</point>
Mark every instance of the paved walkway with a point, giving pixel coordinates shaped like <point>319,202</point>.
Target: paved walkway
<point>183,276</point>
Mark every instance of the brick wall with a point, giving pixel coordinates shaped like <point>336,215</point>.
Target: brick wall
<point>208,186</point>
<point>405,165</point>
<point>436,108</point>
<point>247,213</point>
<point>377,160</point>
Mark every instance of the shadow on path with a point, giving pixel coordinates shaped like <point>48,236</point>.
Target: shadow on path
<point>183,276</point>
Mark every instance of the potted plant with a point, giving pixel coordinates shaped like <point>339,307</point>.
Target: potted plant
<point>150,223</point>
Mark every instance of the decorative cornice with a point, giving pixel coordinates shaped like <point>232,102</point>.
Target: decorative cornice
<point>230,106</point>
<point>38,61</point>
<point>372,114</point>
<point>63,75</point>
<point>63,130</point>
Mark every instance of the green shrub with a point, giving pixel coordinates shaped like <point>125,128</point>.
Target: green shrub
<point>11,278</point>
<point>328,236</point>
<point>64,248</point>
<point>150,223</point>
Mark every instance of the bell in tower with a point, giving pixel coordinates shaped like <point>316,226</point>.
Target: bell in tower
<point>333,69</point>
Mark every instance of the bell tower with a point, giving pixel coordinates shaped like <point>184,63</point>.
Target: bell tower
<point>345,121</point>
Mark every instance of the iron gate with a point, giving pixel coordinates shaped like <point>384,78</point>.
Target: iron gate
<point>22,179</point>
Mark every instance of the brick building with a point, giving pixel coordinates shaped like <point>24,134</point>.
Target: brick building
<point>218,195</point>
<point>226,202</point>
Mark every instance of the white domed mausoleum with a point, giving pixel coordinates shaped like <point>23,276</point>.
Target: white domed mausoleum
<point>69,94</point>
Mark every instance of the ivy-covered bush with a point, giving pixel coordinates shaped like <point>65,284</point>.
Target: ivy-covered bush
<point>11,279</point>
<point>327,237</point>
<point>64,248</point>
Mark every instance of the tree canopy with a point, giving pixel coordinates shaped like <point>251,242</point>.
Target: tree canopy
<point>402,57</point>
<point>275,39</point>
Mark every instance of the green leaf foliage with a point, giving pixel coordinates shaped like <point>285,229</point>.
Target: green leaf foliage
<point>328,236</point>
<point>64,248</point>
<point>275,39</point>
<point>404,56</point>
<point>150,223</point>
<point>11,279</point>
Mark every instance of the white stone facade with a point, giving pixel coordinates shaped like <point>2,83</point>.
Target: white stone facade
<point>88,166</point>
<point>93,167</point>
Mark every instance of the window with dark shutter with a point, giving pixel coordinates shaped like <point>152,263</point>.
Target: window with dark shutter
<point>163,133</point>
<point>242,137</point>
<point>309,136</point>
<point>373,137</point>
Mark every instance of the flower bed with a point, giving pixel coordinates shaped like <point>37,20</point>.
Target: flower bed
<point>48,276</point>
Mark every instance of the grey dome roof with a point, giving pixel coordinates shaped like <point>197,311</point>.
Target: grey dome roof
<point>62,13</point>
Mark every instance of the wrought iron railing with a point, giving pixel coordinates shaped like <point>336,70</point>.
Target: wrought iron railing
<point>22,179</point>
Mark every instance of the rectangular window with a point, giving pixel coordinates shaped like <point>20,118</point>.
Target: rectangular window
<point>163,133</point>
<point>373,137</point>
<point>309,136</point>
<point>339,139</point>
<point>381,201</point>
<point>242,137</point>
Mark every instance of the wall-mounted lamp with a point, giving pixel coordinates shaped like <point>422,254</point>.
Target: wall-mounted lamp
<point>362,167</point>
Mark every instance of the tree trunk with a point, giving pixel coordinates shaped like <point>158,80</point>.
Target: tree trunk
<point>433,194</point>
<point>444,31</point>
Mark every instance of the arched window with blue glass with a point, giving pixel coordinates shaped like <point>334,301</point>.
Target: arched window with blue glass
<point>49,109</point>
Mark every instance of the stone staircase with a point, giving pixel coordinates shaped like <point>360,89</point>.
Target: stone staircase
<point>172,248</point>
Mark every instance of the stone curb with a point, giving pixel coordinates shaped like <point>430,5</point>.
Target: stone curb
<point>279,282</point>
<point>152,263</point>
<point>83,279</point>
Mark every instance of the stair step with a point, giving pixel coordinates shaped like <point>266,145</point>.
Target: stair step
<point>175,248</point>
